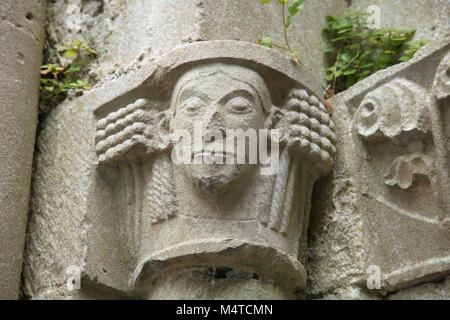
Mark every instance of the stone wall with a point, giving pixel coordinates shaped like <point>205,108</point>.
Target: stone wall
<point>427,17</point>
<point>367,212</point>
<point>127,32</point>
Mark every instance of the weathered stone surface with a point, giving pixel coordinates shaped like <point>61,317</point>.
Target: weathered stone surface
<point>428,291</point>
<point>150,28</point>
<point>21,26</point>
<point>390,190</point>
<point>429,17</point>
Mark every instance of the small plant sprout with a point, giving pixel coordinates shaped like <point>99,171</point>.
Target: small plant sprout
<point>295,7</point>
<point>57,79</point>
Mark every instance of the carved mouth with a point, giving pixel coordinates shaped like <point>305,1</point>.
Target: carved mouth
<point>212,155</point>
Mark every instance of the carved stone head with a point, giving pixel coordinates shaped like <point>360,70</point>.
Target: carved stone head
<point>218,99</point>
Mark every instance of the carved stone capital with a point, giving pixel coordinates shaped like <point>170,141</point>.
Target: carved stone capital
<point>398,151</point>
<point>216,216</point>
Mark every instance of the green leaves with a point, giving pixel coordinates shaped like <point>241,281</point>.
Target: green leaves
<point>51,68</point>
<point>357,51</point>
<point>56,79</point>
<point>294,9</point>
<point>412,46</point>
<point>75,48</point>
<point>266,41</point>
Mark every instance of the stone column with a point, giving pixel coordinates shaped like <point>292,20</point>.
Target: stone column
<point>21,29</point>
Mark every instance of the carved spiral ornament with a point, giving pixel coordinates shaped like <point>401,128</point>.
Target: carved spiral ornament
<point>394,110</point>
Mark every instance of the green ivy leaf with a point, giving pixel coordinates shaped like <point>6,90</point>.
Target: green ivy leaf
<point>329,77</point>
<point>345,30</point>
<point>365,54</point>
<point>266,42</point>
<point>385,57</point>
<point>405,58</point>
<point>340,39</point>
<point>296,7</point>
<point>76,43</point>
<point>365,73</point>
<point>91,51</point>
<point>70,53</point>
<point>346,57</point>
<point>367,65</point>
<point>265,1</point>
<point>349,72</point>
<point>411,51</point>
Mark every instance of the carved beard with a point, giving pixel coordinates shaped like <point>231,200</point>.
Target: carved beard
<point>211,186</point>
<point>217,179</point>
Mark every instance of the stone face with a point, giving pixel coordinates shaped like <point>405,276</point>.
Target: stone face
<point>21,26</point>
<point>391,179</point>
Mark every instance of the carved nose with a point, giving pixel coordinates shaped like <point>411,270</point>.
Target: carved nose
<point>210,135</point>
<point>213,118</point>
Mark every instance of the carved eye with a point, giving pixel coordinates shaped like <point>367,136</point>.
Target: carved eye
<point>239,105</point>
<point>192,106</point>
<point>368,108</point>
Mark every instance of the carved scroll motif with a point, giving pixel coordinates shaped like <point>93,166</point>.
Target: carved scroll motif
<point>405,168</point>
<point>396,110</point>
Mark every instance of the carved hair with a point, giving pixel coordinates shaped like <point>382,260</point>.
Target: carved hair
<point>309,128</point>
<point>308,135</point>
<point>249,77</point>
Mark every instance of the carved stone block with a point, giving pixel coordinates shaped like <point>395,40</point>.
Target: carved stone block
<point>398,151</point>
